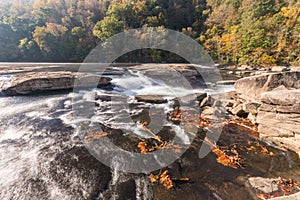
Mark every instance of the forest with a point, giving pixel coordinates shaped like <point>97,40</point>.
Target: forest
<point>252,32</point>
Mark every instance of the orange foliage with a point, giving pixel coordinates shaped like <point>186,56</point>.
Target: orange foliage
<point>226,160</point>
<point>95,136</point>
<point>164,179</point>
<point>143,147</point>
<point>164,145</point>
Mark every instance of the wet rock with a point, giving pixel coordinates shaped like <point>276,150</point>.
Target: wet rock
<point>77,164</point>
<point>226,82</point>
<point>150,99</point>
<point>186,75</point>
<point>189,99</point>
<point>207,101</point>
<point>31,82</point>
<point>126,190</point>
<point>103,97</point>
<point>143,116</point>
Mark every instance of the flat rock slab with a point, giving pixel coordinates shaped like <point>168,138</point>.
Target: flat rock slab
<point>31,82</point>
<point>281,97</point>
<point>150,99</point>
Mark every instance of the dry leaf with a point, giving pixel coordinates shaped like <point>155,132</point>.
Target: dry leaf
<point>143,147</point>
<point>165,180</point>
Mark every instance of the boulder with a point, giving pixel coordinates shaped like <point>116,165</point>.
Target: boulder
<point>189,100</point>
<point>251,87</point>
<point>207,101</point>
<point>31,82</point>
<point>150,99</point>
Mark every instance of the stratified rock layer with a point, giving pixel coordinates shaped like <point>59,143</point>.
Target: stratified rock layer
<point>48,81</point>
<point>273,102</point>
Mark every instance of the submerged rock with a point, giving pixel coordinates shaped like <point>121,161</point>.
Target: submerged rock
<point>31,82</point>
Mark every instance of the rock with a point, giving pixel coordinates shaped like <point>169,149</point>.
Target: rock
<point>232,67</point>
<point>279,69</point>
<point>294,68</point>
<point>31,82</point>
<point>239,111</point>
<point>213,113</point>
<point>278,124</point>
<point>252,118</point>
<point>229,103</point>
<point>278,117</point>
<point>281,97</point>
<point>185,75</point>
<point>189,99</point>
<point>207,101</point>
<point>251,87</point>
<point>264,185</point>
<point>126,190</point>
<point>280,109</point>
<point>295,196</point>
<point>251,107</point>
<point>150,99</point>
<point>226,82</point>
<point>244,67</point>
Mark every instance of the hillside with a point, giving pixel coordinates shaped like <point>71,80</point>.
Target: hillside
<point>253,32</point>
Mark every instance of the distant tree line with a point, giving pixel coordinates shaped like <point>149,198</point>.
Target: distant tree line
<point>254,32</point>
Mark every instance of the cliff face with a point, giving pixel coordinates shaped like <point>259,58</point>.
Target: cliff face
<point>272,101</point>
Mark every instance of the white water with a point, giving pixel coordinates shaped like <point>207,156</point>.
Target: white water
<point>137,83</point>
<point>28,146</point>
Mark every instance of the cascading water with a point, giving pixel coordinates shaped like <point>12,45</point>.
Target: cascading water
<point>42,158</point>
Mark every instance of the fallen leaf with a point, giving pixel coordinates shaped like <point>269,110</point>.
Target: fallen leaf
<point>143,147</point>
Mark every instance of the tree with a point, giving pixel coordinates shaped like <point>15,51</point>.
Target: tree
<point>108,27</point>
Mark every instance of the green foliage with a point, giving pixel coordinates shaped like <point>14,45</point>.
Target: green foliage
<point>255,32</point>
<point>108,27</point>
